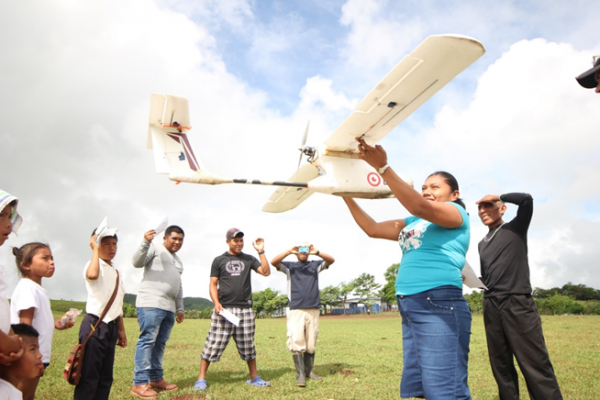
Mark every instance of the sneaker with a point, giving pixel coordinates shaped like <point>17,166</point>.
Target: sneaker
<point>200,384</point>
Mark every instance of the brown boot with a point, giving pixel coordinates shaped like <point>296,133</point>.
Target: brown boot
<point>164,386</point>
<point>143,391</point>
<point>299,364</point>
<point>309,361</point>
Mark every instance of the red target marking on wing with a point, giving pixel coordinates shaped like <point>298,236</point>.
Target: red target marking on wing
<point>374,179</point>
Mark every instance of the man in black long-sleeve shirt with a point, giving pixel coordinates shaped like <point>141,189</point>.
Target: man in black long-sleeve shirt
<point>512,322</point>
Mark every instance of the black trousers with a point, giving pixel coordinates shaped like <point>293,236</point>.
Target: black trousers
<point>513,328</point>
<point>97,371</point>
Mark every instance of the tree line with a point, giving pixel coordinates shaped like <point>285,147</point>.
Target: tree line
<point>568,299</point>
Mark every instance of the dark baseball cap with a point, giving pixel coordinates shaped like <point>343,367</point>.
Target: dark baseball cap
<point>234,233</point>
<point>588,78</point>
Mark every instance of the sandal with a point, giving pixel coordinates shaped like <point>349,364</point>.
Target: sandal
<point>258,381</point>
<point>200,384</point>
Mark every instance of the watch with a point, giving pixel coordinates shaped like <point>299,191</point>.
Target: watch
<point>382,169</point>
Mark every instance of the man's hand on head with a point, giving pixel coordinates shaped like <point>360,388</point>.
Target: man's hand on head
<point>490,198</point>
<point>149,236</point>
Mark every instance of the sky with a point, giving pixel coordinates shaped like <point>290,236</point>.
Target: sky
<point>76,79</point>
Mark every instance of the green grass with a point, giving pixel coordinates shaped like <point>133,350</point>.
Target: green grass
<point>359,358</point>
<point>62,306</point>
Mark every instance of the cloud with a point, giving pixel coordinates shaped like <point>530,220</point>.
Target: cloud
<point>76,87</point>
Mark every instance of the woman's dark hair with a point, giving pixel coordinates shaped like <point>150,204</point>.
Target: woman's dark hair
<point>452,182</point>
<point>24,254</point>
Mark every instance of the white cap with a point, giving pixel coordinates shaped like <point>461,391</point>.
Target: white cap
<point>5,199</point>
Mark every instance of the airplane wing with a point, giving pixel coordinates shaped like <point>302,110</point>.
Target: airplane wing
<point>286,198</point>
<point>412,82</point>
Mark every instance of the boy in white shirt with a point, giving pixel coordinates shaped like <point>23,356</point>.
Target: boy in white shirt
<point>100,278</point>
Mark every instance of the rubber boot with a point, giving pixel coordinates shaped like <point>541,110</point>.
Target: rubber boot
<point>309,361</point>
<point>300,368</point>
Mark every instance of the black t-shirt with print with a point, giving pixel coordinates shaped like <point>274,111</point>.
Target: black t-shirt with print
<point>235,289</point>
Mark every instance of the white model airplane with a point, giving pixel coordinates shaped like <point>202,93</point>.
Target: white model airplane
<point>334,167</point>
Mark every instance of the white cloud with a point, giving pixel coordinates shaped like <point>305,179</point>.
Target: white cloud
<point>76,87</point>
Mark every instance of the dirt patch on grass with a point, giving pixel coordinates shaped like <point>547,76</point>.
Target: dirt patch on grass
<point>338,370</point>
<point>188,397</point>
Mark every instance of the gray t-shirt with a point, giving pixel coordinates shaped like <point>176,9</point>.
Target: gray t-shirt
<point>161,284</point>
<point>303,282</point>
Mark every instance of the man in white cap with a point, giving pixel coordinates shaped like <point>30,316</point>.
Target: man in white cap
<point>304,304</point>
<point>10,220</point>
<point>590,79</point>
<point>231,292</point>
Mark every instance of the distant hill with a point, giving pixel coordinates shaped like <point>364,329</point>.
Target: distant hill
<point>189,303</point>
<point>62,306</point>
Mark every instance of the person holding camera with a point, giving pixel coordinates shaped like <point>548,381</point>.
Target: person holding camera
<point>304,304</point>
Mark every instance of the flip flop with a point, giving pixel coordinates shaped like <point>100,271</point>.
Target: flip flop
<point>258,381</point>
<point>200,385</point>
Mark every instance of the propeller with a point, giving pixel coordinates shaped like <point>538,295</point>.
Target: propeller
<point>309,151</point>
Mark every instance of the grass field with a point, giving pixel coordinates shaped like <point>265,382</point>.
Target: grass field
<point>358,357</point>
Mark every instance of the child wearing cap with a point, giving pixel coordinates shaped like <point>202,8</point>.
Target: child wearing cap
<point>100,278</point>
<point>11,347</point>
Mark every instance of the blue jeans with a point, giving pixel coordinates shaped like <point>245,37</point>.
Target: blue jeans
<point>436,329</point>
<point>155,329</point>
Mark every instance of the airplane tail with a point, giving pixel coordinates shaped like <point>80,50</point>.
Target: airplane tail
<point>167,136</point>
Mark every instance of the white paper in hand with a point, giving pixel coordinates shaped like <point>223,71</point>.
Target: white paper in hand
<point>230,317</point>
<point>163,223</point>
<point>471,280</point>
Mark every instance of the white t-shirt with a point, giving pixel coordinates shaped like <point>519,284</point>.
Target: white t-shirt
<point>29,294</point>
<point>100,290</point>
<point>4,308</point>
<point>9,392</point>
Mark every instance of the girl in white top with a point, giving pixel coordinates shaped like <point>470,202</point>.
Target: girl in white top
<point>30,304</point>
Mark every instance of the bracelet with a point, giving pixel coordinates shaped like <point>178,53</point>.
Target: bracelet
<point>261,252</point>
<point>318,252</point>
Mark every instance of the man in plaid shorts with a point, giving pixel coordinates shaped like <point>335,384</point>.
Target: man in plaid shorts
<point>231,292</point>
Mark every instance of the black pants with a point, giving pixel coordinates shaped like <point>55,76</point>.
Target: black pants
<point>97,371</point>
<point>513,327</point>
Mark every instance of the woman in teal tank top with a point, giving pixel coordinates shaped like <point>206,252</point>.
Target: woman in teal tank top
<point>436,319</point>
